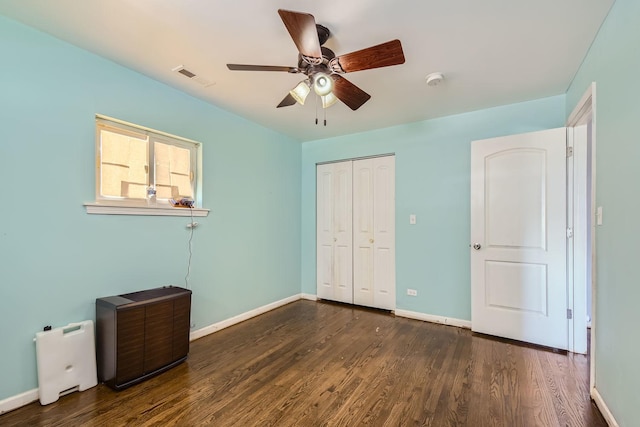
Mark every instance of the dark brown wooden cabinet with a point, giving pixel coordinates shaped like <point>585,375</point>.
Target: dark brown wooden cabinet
<point>141,334</point>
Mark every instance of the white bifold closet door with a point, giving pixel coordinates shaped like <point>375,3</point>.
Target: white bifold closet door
<point>334,224</point>
<point>374,232</point>
<point>362,204</point>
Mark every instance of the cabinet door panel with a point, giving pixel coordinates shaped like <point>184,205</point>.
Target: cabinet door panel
<point>181,326</point>
<point>158,330</point>
<point>130,344</point>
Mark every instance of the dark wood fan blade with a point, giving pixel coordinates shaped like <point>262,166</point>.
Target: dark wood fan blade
<point>302,28</point>
<point>349,93</point>
<point>242,67</point>
<point>287,101</point>
<point>382,55</point>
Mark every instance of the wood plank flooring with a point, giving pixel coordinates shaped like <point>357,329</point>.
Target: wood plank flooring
<point>323,364</point>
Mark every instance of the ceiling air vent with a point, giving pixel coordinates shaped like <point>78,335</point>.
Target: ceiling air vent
<point>186,72</point>
<point>193,76</point>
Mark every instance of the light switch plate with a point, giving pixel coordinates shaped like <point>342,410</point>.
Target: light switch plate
<point>412,219</point>
<point>599,215</point>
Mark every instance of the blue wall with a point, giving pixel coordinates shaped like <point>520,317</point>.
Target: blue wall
<point>55,259</point>
<point>260,186</point>
<point>614,64</point>
<point>432,181</point>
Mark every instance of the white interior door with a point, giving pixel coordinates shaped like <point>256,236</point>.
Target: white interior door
<point>518,237</point>
<point>374,232</point>
<point>334,232</point>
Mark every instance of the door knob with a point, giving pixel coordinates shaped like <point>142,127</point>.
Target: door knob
<point>335,239</point>
<point>477,246</point>
<point>370,240</point>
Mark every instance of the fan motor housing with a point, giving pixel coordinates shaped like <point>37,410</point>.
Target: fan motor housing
<point>323,33</point>
<point>306,68</point>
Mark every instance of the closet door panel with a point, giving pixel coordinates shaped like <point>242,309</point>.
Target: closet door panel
<point>384,233</point>
<point>334,249</point>
<point>343,229</point>
<point>363,232</point>
<point>324,224</point>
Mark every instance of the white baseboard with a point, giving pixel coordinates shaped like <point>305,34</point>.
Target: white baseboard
<point>434,319</point>
<point>604,409</point>
<point>310,297</point>
<point>14,402</point>
<point>241,317</point>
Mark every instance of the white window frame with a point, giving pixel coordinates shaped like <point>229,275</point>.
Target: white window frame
<point>123,206</point>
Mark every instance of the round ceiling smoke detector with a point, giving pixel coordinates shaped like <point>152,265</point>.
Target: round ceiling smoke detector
<point>434,79</point>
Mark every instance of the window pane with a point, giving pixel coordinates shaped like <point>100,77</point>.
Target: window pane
<point>132,157</point>
<point>124,171</point>
<point>173,171</point>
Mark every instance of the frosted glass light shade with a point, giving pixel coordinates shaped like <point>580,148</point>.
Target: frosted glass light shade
<point>300,92</point>
<point>322,84</point>
<point>329,100</point>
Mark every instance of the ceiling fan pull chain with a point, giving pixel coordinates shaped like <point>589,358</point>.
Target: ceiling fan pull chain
<point>316,110</point>
<point>325,116</point>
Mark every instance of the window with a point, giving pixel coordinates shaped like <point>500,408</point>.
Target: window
<point>142,168</point>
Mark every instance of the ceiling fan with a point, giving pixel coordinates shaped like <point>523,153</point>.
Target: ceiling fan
<point>322,67</point>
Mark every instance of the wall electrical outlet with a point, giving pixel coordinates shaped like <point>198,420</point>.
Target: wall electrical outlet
<point>412,292</point>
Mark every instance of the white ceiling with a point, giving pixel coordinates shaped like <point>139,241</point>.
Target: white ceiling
<point>492,52</point>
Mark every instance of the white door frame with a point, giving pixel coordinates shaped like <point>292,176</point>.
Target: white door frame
<point>585,110</point>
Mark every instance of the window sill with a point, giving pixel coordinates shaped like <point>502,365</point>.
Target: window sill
<point>100,209</point>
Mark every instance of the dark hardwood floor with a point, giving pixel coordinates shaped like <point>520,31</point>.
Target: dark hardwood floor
<point>316,364</point>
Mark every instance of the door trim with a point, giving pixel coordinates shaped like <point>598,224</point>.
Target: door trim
<point>584,110</point>
<point>353,159</point>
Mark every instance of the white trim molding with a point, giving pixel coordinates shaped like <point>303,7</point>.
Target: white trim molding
<point>241,317</point>
<point>310,297</point>
<point>584,110</point>
<point>450,321</point>
<point>15,402</point>
<point>604,409</point>
<point>102,209</point>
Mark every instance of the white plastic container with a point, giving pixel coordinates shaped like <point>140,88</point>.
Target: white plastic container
<point>66,360</point>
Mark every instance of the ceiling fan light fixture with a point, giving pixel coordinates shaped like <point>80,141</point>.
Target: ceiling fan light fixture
<point>300,92</point>
<point>322,68</point>
<point>328,100</point>
<point>322,84</point>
